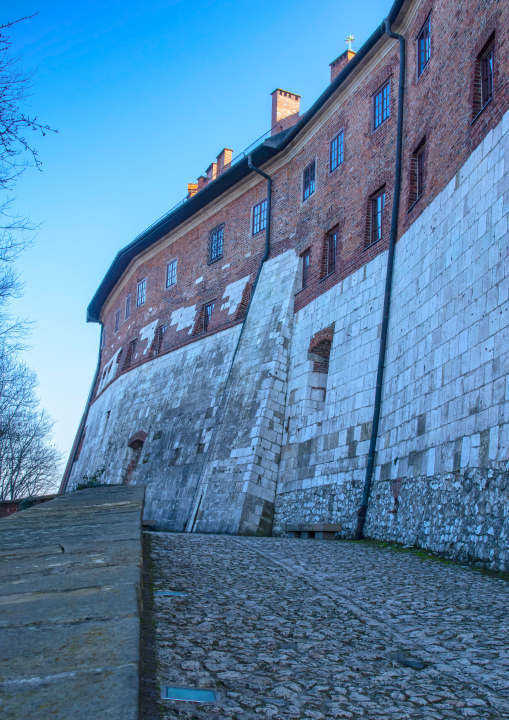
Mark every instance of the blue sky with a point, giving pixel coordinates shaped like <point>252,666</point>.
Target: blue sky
<point>144,96</point>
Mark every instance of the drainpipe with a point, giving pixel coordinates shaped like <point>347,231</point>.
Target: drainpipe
<point>361,513</point>
<point>199,493</point>
<point>81,429</point>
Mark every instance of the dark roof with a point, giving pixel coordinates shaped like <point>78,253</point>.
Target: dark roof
<point>263,152</point>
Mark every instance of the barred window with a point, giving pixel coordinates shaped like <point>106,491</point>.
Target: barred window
<point>336,151</point>
<point>260,217</point>
<point>171,273</point>
<point>142,292</point>
<point>207,314</point>
<point>424,47</point>
<point>128,306</point>
<point>216,240</point>
<point>381,105</point>
<point>487,77</point>
<point>117,320</point>
<point>160,337</point>
<point>332,243</point>
<point>305,268</point>
<point>377,204</point>
<point>308,185</point>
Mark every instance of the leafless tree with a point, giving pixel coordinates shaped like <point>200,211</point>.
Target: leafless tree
<point>29,464</point>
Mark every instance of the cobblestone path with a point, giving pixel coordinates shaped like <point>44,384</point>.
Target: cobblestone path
<point>290,629</point>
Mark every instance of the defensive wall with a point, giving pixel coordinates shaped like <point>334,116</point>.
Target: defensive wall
<point>263,416</point>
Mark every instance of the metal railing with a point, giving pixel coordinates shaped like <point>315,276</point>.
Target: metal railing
<point>234,160</point>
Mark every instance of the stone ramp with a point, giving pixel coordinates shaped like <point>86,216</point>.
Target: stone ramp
<point>70,602</point>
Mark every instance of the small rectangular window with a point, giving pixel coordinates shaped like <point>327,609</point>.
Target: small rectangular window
<point>305,268</point>
<point>260,217</point>
<point>128,306</point>
<point>308,185</point>
<point>160,337</point>
<point>332,243</point>
<point>141,294</point>
<point>216,241</point>
<point>487,77</point>
<point>336,151</point>
<point>420,173</point>
<point>207,314</point>
<point>117,320</point>
<point>171,273</point>
<point>381,106</point>
<point>424,47</point>
<point>377,216</point>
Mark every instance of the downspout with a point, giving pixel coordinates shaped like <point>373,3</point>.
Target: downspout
<point>199,493</point>
<point>361,513</point>
<point>81,429</point>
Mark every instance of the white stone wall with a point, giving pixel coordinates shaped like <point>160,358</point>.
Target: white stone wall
<point>173,398</point>
<point>445,404</point>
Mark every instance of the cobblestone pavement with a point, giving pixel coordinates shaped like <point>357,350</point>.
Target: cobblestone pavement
<point>289,629</point>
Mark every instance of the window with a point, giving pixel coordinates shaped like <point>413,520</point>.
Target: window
<point>305,268</point>
<point>128,306</point>
<point>381,106</point>
<point>332,242</point>
<point>141,293</point>
<point>424,47</point>
<point>160,337</point>
<point>308,181</point>
<point>171,273</point>
<point>487,77</point>
<point>416,174</point>
<point>117,320</point>
<point>130,354</point>
<point>376,217</point>
<point>483,79</point>
<point>207,314</point>
<point>260,217</point>
<point>336,152</point>
<point>216,240</point>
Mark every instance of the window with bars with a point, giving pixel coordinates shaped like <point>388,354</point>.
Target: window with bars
<point>308,183</point>
<point>416,184</point>
<point>332,244</point>
<point>487,77</point>
<point>336,152</point>
<point>128,306</point>
<point>160,337</point>
<point>424,47</point>
<point>141,294</point>
<point>171,273</point>
<point>260,217</point>
<point>381,105</point>
<point>117,320</point>
<point>376,217</point>
<point>305,268</point>
<point>216,241</point>
<point>207,314</point>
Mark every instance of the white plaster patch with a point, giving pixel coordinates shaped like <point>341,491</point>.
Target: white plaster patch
<point>147,333</point>
<point>234,291</point>
<point>183,317</point>
<point>109,371</point>
<point>199,280</point>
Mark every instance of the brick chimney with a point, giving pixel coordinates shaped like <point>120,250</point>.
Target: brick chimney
<point>224,160</point>
<point>192,189</point>
<point>202,181</point>
<point>339,63</point>
<point>285,110</point>
<point>211,172</point>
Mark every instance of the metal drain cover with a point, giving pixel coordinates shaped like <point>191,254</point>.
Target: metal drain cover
<point>188,694</point>
<point>171,593</point>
